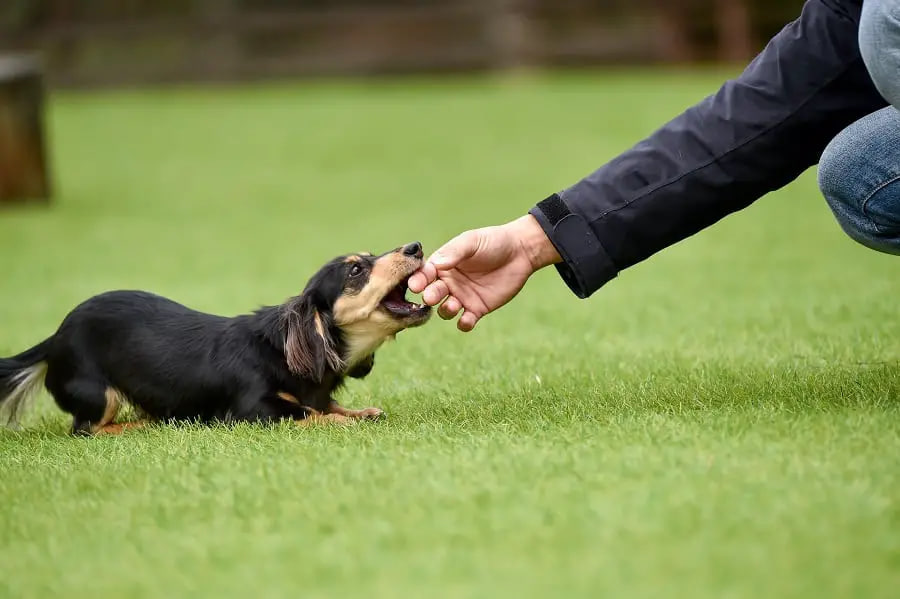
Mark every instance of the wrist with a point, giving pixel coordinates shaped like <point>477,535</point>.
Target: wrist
<point>535,243</point>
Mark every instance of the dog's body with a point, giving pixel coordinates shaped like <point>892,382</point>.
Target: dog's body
<point>176,364</point>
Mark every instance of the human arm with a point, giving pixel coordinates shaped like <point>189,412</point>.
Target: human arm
<point>756,134</point>
<point>483,269</point>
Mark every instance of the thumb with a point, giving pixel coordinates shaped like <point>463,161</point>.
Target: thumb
<point>456,250</point>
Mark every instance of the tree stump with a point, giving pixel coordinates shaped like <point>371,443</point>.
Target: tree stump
<point>23,166</point>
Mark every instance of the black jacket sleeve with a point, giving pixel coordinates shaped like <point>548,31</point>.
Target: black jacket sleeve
<point>756,134</point>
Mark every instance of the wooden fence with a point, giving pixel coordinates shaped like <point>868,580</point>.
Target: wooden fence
<point>100,42</point>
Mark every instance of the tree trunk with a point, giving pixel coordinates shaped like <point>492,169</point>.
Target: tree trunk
<point>23,166</point>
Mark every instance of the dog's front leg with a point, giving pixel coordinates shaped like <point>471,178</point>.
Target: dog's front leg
<point>120,427</point>
<point>365,414</point>
<point>334,412</point>
<point>313,416</point>
<point>320,418</point>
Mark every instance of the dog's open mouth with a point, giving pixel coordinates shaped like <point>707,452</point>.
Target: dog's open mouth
<point>396,303</point>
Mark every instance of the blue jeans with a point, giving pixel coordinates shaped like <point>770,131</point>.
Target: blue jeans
<point>859,172</point>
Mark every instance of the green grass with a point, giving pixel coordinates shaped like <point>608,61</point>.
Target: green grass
<point>720,421</point>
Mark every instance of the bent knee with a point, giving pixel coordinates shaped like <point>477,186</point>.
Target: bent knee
<point>879,45</point>
<point>870,222</point>
<point>859,175</point>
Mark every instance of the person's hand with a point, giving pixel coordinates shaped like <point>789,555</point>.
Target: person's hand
<point>480,270</point>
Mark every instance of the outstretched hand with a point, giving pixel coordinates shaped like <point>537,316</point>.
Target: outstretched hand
<point>481,270</point>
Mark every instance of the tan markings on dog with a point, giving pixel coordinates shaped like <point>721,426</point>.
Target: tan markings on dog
<point>367,413</point>
<point>320,328</point>
<point>298,360</point>
<point>365,336</point>
<point>297,355</point>
<point>121,427</point>
<point>291,399</point>
<point>352,258</point>
<point>331,356</point>
<point>288,397</point>
<point>317,419</point>
<point>386,273</point>
<point>365,327</point>
<point>114,400</point>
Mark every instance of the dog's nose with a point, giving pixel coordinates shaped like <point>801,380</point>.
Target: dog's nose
<point>413,249</point>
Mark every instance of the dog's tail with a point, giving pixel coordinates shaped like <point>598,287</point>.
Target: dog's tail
<point>20,378</point>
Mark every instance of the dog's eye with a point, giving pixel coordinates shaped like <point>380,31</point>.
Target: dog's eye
<point>355,270</point>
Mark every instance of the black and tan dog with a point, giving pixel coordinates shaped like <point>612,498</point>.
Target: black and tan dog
<point>176,364</point>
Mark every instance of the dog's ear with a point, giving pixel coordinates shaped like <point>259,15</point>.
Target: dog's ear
<point>308,345</point>
<point>363,368</point>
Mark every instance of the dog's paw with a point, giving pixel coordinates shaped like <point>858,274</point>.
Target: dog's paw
<point>372,414</point>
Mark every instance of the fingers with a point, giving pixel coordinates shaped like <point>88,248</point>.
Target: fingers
<point>467,322</point>
<point>450,308</point>
<point>435,292</point>
<point>446,257</point>
<point>456,250</point>
<point>422,278</point>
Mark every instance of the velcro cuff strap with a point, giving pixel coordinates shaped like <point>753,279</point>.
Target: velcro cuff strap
<point>586,265</point>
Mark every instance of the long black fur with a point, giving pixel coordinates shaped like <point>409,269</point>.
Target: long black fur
<point>11,367</point>
<point>174,363</point>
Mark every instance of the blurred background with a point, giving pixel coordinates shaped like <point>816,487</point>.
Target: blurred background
<point>118,42</point>
<point>102,44</point>
<point>719,421</point>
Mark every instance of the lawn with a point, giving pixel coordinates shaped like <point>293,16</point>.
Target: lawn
<point>722,420</point>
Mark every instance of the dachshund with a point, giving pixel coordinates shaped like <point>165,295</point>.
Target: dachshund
<point>175,364</point>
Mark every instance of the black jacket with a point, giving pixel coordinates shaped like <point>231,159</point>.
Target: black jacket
<point>756,134</point>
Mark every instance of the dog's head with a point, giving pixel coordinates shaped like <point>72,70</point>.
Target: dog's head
<point>349,308</point>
